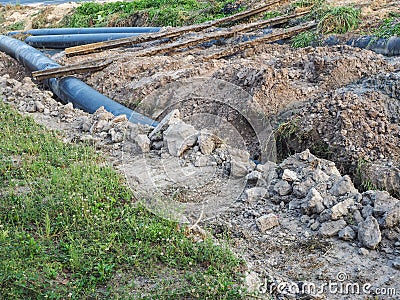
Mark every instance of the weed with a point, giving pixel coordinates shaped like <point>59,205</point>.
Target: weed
<point>16,26</point>
<point>160,12</point>
<point>305,39</point>
<point>364,183</point>
<point>272,14</point>
<point>339,19</point>
<point>307,3</point>
<point>69,226</point>
<point>389,27</point>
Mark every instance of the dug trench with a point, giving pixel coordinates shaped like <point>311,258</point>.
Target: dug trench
<point>294,220</point>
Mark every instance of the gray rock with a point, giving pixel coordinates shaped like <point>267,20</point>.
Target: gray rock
<point>143,142</point>
<point>240,162</point>
<point>85,124</point>
<point>39,106</point>
<point>255,193</point>
<point>347,234</point>
<point>320,176</point>
<point>267,222</point>
<point>268,171</point>
<point>172,118</point>
<point>203,161</point>
<point>368,233</point>
<point>363,251</point>
<point>392,218</point>
<point>283,188</point>
<point>207,142</point>
<point>382,202</point>
<point>314,226</point>
<point>252,282</point>
<point>341,209</point>
<point>367,211</point>
<point>295,204</point>
<point>179,137</point>
<point>357,216</point>
<point>342,187</point>
<point>332,228</point>
<point>300,189</point>
<point>396,264</point>
<point>30,107</point>
<point>289,175</point>
<point>116,136</point>
<point>313,203</point>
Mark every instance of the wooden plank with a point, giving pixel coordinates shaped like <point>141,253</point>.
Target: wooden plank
<point>287,33</point>
<point>217,35</point>
<point>92,66</point>
<point>96,47</point>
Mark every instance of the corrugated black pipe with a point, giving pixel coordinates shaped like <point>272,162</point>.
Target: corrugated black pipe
<point>68,89</point>
<point>72,40</point>
<point>96,30</point>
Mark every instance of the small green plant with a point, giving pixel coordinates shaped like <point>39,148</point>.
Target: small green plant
<point>305,39</point>
<point>364,183</point>
<point>272,14</point>
<point>16,26</point>
<point>339,19</point>
<point>307,3</point>
<point>389,27</point>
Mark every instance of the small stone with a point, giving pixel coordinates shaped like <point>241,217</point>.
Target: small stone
<point>252,282</point>
<point>207,142</point>
<point>368,233</point>
<point>331,228</point>
<point>313,202</point>
<point>143,142</point>
<point>267,222</point>
<point>396,264</point>
<point>31,107</point>
<point>347,234</point>
<point>46,111</point>
<point>314,226</point>
<point>179,137</point>
<point>255,193</point>
<point>289,175</point>
<point>363,251</point>
<point>283,188</point>
<point>202,161</point>
<point>392,218</point>
<point>240,162</point>
<point>172,118</point>
<point>39,106</point>
<point>357,216</point>
<point>367,211</point>
<point>120,119</point>
<point>304,219</point>
<point>342,187</point>
<point>116,136</point>
<point>341,209</point>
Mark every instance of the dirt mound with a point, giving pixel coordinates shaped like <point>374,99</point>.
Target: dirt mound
<point>11,67</point>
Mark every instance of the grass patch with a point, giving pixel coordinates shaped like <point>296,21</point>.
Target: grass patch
<point>389,27</point>
<point>16,26</point>
<point>160,12</point>
<point>69,229</point>
<point>272,14</point>
<point>339,19</point>
<point>304,39</point>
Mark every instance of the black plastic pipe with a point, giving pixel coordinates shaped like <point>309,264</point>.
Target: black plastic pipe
<point>68,89</point>
<point>388,47</point>
<point>96,30</point>
<point>71,40</point>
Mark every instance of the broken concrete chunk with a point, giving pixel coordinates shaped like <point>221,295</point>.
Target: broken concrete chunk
<point>368,233</point>
<point>341,209</point>
<point>208,141</point>
<point>255,193</point>
<point>240,162</point>
<point>332,228</point>
<point>283,188</point>
<point>392,218</point>
<point>179,137</point>
<point>143,142</point>
<point>342,187</point>
<point>172,118</point>
<point>347,234</point>
<point>267,222</point>
<point>313,203</point>
<point>289,175</point>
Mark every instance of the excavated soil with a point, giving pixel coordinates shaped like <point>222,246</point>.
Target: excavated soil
<point>295,217</point>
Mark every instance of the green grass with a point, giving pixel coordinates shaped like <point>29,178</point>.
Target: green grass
<point>389,27</point>
<point>16,26</point>
<point>339,19</point>
<point>69,228</point>
<point>160,12</point>
<point>304,39</point>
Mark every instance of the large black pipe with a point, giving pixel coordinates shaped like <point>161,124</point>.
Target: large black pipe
<point>72,40</point>
<point>96,30</point>
<point>68,89</point>
<point>388,47</point>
